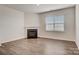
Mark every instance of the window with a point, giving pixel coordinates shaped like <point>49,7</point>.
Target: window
<point>55,23</point>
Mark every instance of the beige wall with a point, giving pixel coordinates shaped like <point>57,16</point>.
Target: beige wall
<point>31,20</point>
<point>68,34</point>
<point>77,25</point>
<point>11,24</point>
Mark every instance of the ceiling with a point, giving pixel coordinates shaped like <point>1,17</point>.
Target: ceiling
<point>34,8</point>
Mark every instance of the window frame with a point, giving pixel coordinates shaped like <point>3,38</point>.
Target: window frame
<point>54,19</point>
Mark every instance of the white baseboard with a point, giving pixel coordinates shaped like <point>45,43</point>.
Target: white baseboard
<point>12,39</point>
<point>57,38</point>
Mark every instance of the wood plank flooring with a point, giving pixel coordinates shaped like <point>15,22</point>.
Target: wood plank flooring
<point>39,46</point>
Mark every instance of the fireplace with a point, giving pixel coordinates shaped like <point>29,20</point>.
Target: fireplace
<point>31,33</point>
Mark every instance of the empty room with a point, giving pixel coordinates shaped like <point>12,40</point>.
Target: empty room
<point>39,29</point>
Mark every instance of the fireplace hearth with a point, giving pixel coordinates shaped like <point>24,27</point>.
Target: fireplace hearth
<point>31,33</point>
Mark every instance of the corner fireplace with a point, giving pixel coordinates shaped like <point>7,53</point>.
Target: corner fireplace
<point>31,33</point>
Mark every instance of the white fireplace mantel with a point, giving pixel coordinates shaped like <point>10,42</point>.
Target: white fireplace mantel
<point>31,27</point>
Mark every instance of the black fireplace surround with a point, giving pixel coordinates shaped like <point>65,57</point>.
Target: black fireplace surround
<point>31,33</point>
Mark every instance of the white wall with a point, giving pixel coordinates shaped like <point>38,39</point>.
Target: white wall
<point>77,25</point>
<point>11,24</point>
<point>69,19</point>
<point>31,20</point>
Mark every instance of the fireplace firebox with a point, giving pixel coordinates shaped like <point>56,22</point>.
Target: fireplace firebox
<point>31,33</point>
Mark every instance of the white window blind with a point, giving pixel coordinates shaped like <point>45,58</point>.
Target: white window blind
<point>55,23</point>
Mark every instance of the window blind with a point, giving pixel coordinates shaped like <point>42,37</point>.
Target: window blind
<point>54,23</point>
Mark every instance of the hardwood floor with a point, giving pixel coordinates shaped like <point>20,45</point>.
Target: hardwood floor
<point>39,46</point>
